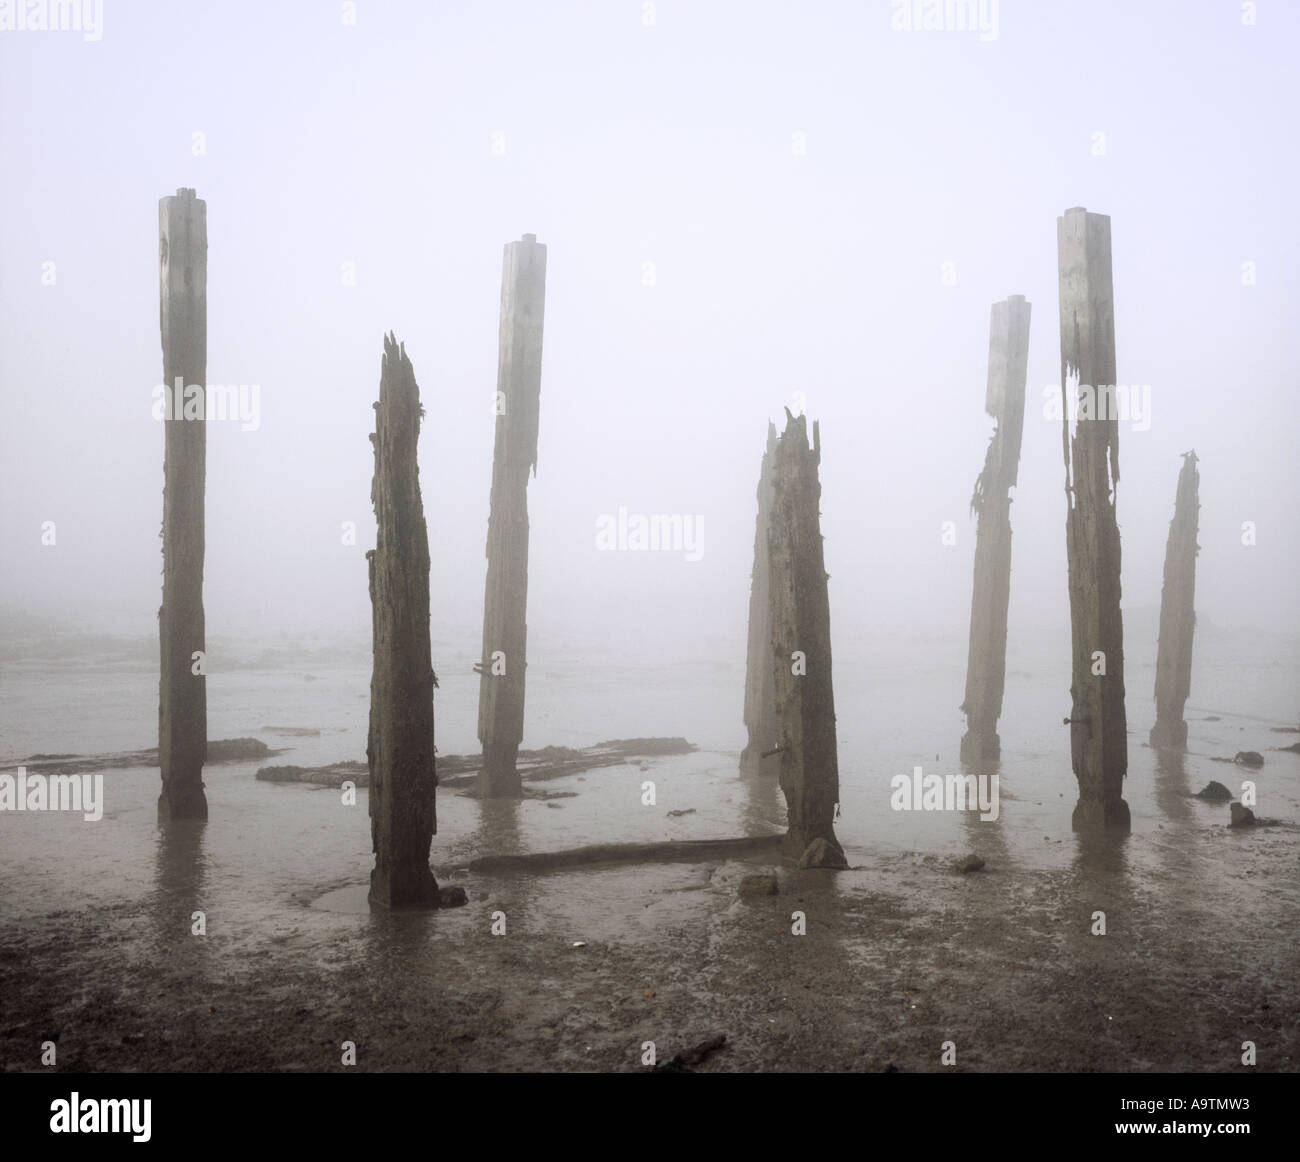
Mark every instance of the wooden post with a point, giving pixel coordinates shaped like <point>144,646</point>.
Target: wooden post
<point>400,745</point>
<point>519,382</point>
<point>760,700</point>
<point>1178,612</point>
<point>182,702</point>
<point>801,644</point>
<point>1004,400</point>
<point>1098,726</point>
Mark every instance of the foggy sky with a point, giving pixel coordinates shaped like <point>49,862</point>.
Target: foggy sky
<point>797,174</point>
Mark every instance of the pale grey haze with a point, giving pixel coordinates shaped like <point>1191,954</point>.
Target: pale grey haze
<point>798,175</point>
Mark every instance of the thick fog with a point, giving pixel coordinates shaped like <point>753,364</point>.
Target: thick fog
<point>747,206</point>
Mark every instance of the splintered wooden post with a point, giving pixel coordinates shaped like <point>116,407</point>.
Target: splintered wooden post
<point>1178,612</point>
<point>801,650</point>
<point>760,705</point>
<point>400,746</point>
<point>1004,400</point>
<point>183,696</point>
<point>1098,727</point>
<point>519,385</point>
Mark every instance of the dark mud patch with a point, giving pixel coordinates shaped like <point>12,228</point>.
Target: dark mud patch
<point>222,750</point>
<point>672,851</point>
<point>454,771</point>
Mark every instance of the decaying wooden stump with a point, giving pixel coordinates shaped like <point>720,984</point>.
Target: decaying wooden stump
<point>760,699</point>
<point>183,698</point>
<point>1098,725</point>
<point>1004,400</point>
<point>801,644</point>
<point>505,631</point>
<point>1178,612</point>
<point>399,750</point>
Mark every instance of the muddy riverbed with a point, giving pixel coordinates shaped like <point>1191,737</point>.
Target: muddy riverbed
<point>580,969</point>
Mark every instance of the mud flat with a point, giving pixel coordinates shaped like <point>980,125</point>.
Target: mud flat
<point>550,762</point>
<point>223,750</point>
<point>900,952</point>
<point>899,956</point>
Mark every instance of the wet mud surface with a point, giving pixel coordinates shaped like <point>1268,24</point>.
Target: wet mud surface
<point>900,955</point>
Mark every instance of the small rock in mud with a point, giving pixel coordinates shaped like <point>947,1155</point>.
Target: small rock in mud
<point>679,814</point>
<point>682,1062</point>
<point>452,896</point>
<point>820,853</point>
<point>1214,792</point>
<point>972,863</point>
<point>1242,816</point>
<point>1249,758</point>
<point>1294,748</point>
<point>1212,718</point>
<point>758,886</point>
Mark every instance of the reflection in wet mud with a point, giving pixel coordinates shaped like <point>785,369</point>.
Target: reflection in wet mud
<point>1172,790</point>
<point>499,832</point>
<point>1102,856</point>
<point>1100,880</point>
<point>986,836</point>
<point>180,876</point>
<point>498,826</point>
<point>764,806</point>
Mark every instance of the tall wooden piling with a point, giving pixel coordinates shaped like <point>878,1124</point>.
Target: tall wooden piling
<point>1004,400</point>
<point>760,698</point>
<point>1178,612</point>
<point>400,745</point>
<point>519,383</point>
<point>801,650</point>
<point>183,698</point>
<point>1098,726</point>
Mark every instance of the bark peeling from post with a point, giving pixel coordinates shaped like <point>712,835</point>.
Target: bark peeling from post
<point>1178,612</point>
<point>1004,400</point>
<point>183,318</point>
<point>760,698</point>
<point>505,630</point>
<point>399,750</point>
<point>801,650</point>
<point>1098,724</point>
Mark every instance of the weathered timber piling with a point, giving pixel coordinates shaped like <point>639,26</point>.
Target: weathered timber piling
<point>760,700</point>
<point>1004,400</point>
<point>399,749</point>
<point>182,688</point>
<point>519,384</point>
<point>1178,612</point>
<point>1098,726</point>
<point>801,650</point>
